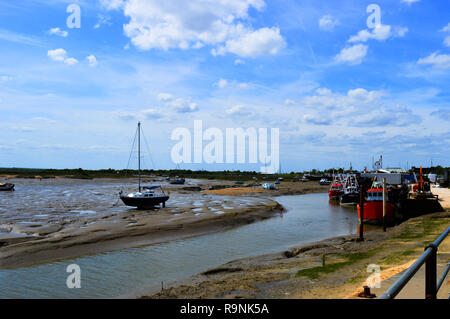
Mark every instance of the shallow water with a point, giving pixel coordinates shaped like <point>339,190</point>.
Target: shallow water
<point>308,218</point>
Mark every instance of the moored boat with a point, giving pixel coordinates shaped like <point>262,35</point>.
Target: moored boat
<point>5,187</point>
<point>373,206</point>
<point>351,191</point>
<point>146,197</point>
<point>336,190</point>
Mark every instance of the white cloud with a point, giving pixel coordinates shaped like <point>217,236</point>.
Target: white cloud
<point>170,24</point>
<point>380,32</point>
<point>57,55</point>
<point>446,28</point>
<point>102,19</point>
<point>409,2</point>
<point>438,61</point>
<point>180,105</point>
<point>239,62</point>
<point>238,110</point>
<point>92,60</point>
<point>112,4</point>
<point>265,41</point>
<point>59,32</point>
<point>327,23</point>
<point>289,102</point>
<point>222,83</point>
<point>61,56</point>
<point>70,61</point>
<point>447,41</point>
<point>353,54</point>
<point>164,97</point>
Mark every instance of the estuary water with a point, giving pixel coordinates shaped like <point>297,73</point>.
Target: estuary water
<point>307,218</point>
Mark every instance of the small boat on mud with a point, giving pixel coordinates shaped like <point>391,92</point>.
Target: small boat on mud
<point>6,187</point>
<point>373,206</point>
<point>178,181</point>
<point>146,197</point>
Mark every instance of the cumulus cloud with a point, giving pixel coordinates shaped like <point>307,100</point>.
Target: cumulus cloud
<point>222,83</point>
<point>446,28</point>
<point>59,32</point>
<point>327,23</point>
<point>436,60</point>
<point>92,60</point>
<point>380,32</point>
<point>164,97</point>
<point>447,41</point>
<point>238,110</point>
<point>353,54</point>
<point>357,108</point>
<point>112,4</point>
<point>179,105</point>
<point>61,56</point>
<point>265,41</point>
<point>193,24</point>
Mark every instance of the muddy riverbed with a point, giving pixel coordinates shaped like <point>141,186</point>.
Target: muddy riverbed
<point>49,219</point>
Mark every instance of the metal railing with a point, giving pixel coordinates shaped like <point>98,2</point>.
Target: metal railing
<point>429,258</point>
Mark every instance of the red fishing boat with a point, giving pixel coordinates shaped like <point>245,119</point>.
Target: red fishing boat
<point>373,206</point>
<point>336,190</point>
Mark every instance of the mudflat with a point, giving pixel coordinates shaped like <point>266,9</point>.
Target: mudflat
<point>53,219</point>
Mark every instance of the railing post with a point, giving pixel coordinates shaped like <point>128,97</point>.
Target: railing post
<point>430,273</point>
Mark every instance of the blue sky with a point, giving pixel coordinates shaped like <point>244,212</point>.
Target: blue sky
<point>338,90</point>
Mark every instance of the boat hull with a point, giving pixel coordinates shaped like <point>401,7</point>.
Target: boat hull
<point>349,199</point>
<point>144,203</point>
<point>333,194</point>
<point>374,211</point>
<point>7,187</point>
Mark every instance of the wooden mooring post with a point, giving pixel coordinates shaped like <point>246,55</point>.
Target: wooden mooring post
<point>361,212</point>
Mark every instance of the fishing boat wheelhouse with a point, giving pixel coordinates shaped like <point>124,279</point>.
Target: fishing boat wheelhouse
<point>335,191</point>
<point>351,191</point>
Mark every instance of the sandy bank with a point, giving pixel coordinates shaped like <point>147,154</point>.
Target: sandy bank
<point>333,268</point>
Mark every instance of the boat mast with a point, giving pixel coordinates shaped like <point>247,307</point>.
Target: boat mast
<point>139,155</point>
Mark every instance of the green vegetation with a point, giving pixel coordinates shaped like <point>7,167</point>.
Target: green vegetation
<point>315,272</point>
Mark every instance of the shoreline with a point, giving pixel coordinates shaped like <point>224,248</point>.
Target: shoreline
<point>100,239</point>
<point>36,240</point>
<point>299,272</point>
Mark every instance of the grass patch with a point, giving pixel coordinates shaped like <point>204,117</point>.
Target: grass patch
<point>316,272</point>
<point>398,257</point>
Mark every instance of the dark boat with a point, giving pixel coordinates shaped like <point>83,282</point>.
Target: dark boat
<point>351,191</point>
<point>146,197</point>
<point>5,187</point>
<point>178,181</point>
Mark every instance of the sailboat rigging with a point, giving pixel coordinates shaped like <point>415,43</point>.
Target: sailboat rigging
<point>146,197</point>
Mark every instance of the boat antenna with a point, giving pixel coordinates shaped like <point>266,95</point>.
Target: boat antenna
<point>139,155</point>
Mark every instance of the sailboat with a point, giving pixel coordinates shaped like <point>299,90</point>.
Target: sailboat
<point>146,197</point>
